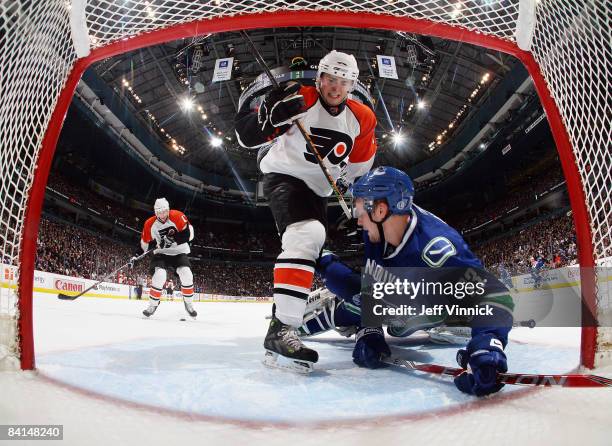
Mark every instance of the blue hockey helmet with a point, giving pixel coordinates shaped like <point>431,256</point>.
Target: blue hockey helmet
<point>386,183</point>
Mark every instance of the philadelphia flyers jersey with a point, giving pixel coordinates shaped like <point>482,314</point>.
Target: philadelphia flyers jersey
<point>345,141</point>
<point>156,230</point>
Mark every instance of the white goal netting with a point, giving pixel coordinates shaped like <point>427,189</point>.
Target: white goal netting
<point>571,45</point>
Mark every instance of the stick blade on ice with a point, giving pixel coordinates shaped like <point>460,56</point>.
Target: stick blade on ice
<point>66,297</point>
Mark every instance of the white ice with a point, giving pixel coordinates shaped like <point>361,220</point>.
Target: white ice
<point>109,375</point>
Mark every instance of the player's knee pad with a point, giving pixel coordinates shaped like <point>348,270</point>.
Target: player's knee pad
<point>185,275</point>
<point>159,278</point>
<point>294,269</point>
<point>303,239</point>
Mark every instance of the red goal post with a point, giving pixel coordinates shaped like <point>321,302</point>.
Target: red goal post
<point>46,46</point>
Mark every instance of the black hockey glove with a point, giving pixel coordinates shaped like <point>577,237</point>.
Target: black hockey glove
<point>485,356</point>
<point>132,261</point>
<point>136,257</point>
<point>282,106</point>
<point>182,236</point>
<point>370,348</point>
<point>343,185</point>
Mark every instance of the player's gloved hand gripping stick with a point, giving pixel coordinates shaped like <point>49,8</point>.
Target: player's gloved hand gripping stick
<point>309,144</point>
<point>526,379</point>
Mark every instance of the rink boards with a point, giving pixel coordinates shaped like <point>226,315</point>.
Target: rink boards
<point>52,283</point>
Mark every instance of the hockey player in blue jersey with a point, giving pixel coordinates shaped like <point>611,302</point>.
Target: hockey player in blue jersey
<point>398,233</point>
<point>505,277</point>
<point>537,265</point>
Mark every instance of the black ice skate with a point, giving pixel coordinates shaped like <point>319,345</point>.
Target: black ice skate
<point>150,309</point>
<point>285,350</point>
<point>190,310</point>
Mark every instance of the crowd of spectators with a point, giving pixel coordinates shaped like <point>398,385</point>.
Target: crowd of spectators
<point>103,206</point>
<point>213,237</point>
<point>552,241</point>
<point>524,193</point>
<point>238,239</point>
<point>234,279</point>
<point>68,248</point>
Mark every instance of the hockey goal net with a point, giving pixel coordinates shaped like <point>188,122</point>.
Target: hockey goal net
<point>46,46</point>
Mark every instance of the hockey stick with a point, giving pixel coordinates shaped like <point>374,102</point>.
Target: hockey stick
<point>63,296</point>
<point>525,379</point>
<point>309,144</point>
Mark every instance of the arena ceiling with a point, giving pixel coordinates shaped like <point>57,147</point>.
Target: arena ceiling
<point>441,83</point>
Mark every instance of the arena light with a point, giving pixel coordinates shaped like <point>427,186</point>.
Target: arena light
<point>187,104</point>
<point>421,104</point>
<point>398,138</point>
<point>216,142</point>
<point>456,12</point>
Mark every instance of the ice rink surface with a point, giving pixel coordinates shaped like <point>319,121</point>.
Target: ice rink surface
<point>111,376</point>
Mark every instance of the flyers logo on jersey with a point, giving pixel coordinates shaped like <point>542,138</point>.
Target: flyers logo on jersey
<point>331,144</point>
<point>167,232</point>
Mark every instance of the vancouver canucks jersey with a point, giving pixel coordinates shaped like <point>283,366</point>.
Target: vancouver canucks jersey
<point>427,242</point>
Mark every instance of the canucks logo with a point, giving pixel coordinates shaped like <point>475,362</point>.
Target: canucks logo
<point>437,251</point>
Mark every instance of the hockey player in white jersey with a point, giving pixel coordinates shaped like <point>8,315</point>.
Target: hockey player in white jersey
<point>168,233</point>
<point>297,190</point>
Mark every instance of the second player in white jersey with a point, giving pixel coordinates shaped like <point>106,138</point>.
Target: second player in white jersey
<point>165,232</point>
<point>168,234</point>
